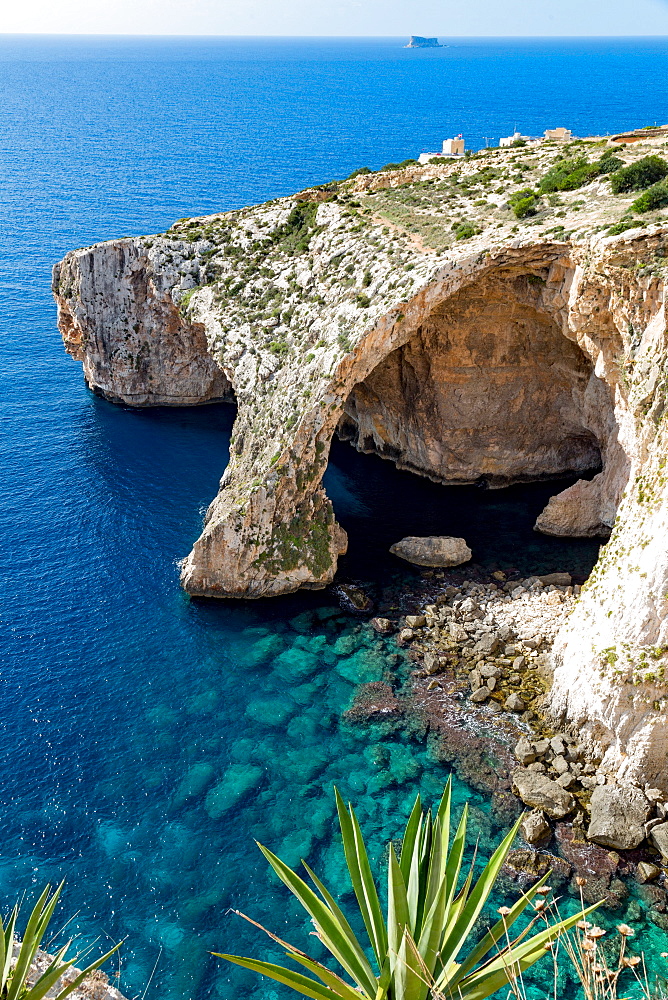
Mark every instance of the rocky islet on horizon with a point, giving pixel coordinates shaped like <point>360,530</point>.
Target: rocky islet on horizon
<point>364,307</point>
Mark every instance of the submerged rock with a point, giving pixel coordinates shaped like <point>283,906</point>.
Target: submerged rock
<point>524,866</point>
<point>432,550</point>
<point>373,699</point>
<point>237,782</point>
<point>618,816</point>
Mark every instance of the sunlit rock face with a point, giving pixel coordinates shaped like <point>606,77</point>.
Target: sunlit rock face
<point>506,357</point>
<point>117,316</point>
<point>488,389</point>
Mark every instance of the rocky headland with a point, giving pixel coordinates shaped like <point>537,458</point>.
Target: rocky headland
<point>495,320</point>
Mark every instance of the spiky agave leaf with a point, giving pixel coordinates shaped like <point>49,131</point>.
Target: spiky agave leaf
<point>14,977</point>
<point>430,918</point>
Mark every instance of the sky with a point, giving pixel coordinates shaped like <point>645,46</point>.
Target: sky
<point>443,18</point>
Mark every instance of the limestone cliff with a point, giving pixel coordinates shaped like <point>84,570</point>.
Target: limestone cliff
<point>412,311</point>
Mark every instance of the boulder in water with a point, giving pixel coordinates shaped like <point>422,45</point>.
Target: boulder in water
<point>542,793</point>
<point>618,816</point>
<point>432,550</point>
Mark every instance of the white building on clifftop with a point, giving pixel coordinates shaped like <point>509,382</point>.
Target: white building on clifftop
<point>451,148</point>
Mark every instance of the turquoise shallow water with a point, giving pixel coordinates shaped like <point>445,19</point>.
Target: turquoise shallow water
<point>123,705</point>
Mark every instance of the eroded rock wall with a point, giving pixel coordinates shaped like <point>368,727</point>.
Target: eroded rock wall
<point>610,657</point>
<point>488,388</point>
<point>117,316</point>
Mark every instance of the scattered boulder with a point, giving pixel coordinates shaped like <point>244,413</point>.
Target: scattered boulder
<point>432,550</point>
<point>556,580</point>
<point>524,752</point>
<point>535,828</point>
<point>416,621</point>
<point>487,645</point>
<point>618,815</point>
<point>577,512</point>
<point>514,703</point>
<point>481,694</point>
<point>540,792</point>
<point>659,837</point>
<point>433,663</point>
<point>353,598</point>
<point>647,872</point>
<point>382,625</point>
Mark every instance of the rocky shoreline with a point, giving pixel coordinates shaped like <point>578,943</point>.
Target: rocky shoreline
<point>481,673</point>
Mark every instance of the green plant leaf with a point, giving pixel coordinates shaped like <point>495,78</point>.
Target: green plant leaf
<point>328,977</point>
<point>498,930</point>
<point>37,924</point>
<point>346,950</point>
<point>301,984</point>
<point>50,976</point>
<point>413,888</point>
<point>408,840</point>
<point>331,902</point>
<point>439,851</point>
<point>7,947</point>
<point>432,933</point>
<point>454,861</point>
<point>477,898</point>
<point>76,983</point>
<point>397,908</point>
<point>364,886</point>
<point>500,970</point>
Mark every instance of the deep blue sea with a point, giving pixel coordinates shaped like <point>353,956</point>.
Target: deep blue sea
<point>130,716</point>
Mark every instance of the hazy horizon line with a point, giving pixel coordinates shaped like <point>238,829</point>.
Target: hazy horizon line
<point>445,37</point>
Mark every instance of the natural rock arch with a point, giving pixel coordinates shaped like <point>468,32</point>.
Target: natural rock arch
<point>271,529</point>
<point>487,389</point>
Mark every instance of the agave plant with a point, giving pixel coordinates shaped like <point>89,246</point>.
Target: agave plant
<point>17,955</point>
<point>417,948</point>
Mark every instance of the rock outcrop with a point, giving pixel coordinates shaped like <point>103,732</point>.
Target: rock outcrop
<point>508,355</point>
<point>432,550</point>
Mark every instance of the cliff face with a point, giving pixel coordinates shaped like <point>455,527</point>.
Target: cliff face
<point>118,317</point>
<point>502,355</point>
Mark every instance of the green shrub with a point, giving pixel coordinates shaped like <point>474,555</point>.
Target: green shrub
<point>639,175</point>
<point>420,948</point>
<point>523,203</point>
<point>558,177</point>
<point>367,279</point>
<point>398,166</point>
<point>279,347</point>
<point>465,230</point>
<point>363,300</point>
<point>609,163</point>
<point>623,225</point>
<point>296,232</point>
<point>569,175</point>
<point>653,198</point>
<point>358,172</point>
<point>525,207</point>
